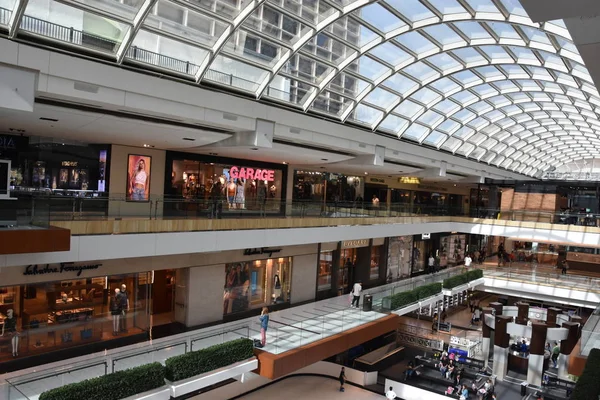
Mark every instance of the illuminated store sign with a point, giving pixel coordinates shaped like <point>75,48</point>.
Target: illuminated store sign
<point>349,244</point>
<point>409,180</point>
<point>251,173</point>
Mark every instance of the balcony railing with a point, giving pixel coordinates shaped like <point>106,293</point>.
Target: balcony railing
<point>72,36</point>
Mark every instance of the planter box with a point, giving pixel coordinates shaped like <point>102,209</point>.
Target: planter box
<point>194,383</point>
<point>457,289</point>
<point>415,306</point>
<point>162,393</point>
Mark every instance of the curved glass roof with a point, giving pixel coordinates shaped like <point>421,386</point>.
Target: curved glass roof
<point>476,78</point>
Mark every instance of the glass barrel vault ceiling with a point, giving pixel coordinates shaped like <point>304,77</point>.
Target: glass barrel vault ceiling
<point>475,78</point>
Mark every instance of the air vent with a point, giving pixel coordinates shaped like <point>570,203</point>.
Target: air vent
<point>230,117</point>
<point>189,139</point>
<point>86,87</point>
<point>295,130</point>
<point>362,146</point>
<point>48,119</point>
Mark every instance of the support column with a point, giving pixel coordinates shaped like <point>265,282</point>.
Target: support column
<point>289,191</point>
<point>566,348</point>
<point>535,367</point>
<point>522,313</point>
<point>551,317</point>
<point>486,337</point>
<point>501,342</point>
<point>497,307</point>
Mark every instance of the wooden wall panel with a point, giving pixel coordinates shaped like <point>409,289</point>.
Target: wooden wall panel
<point>22,241</point>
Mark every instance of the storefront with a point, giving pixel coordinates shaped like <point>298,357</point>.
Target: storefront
<point>311,186</point>
<point>399,258</point>
<point>222,186</point>
<point>59,306</point>
<point>255,284</point>
<point>71,310</point>
<point>341,264</point>
<point>452,250</point>
<point>53,166</point>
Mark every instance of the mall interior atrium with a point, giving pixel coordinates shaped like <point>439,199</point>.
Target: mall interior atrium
<point>250,199</point>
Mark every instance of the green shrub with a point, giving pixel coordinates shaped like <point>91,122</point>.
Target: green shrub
<point>208,359</point>
<point>426,291</point>
<point>399,300</point>
<point>461,279</point>
<point>588,384</point>
<point>115,386</point>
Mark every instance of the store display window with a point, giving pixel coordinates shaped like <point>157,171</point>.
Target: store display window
<point>329,187</point>
<point>375,259</point>
<point>419,256</point>
<point>255,284</point>
<point>399,258</point>
<point>232,186</point>
<point>54,315</point>
<point>62,167</point>
<point>325,268</point>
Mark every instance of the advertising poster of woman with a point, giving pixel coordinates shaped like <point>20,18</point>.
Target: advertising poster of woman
<point>138,177</point>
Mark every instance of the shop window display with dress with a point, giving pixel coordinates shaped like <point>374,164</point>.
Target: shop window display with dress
<point>256,284</point>
<point>42,317</point>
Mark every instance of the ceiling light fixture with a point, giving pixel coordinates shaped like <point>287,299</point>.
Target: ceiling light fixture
<point>213,154</point>
<point>285,163</point>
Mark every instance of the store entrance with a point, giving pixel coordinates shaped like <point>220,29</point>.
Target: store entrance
<point>163,297</point>
<point>346,270</point>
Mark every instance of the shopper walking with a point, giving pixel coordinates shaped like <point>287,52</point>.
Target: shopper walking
<point>356,294</point>
<point>468,261</point>
<point>264,324</point>
<point>342,379</point>
<point>431,264</point>
<point>390,394</point>
<point>565,267</point>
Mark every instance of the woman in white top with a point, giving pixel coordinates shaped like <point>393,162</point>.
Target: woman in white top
<point>139,182</point>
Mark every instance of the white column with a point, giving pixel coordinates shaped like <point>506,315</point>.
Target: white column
<point>485,344</point>
<point>500,362</point>
<point>534,369</point>
<point>205,295</point>
<point>563,363</point>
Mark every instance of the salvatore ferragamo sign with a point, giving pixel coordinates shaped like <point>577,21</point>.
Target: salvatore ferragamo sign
<point>44,269</point>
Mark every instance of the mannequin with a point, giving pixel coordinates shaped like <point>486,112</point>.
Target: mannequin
<point>240,199</point>
<point>276,288</point>
<point>116,310</point>
<point>231,191</point>
<point>10,327</point>
<point>124,307</point>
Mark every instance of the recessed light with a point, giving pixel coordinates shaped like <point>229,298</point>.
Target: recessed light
<point>324,159</point>
<point>189,139</point>
<point>285,163</point>
<point>254,148</point>
<point>366,173</point>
